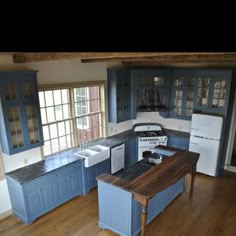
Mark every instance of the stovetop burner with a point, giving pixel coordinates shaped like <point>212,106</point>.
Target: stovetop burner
<point>151,133</point>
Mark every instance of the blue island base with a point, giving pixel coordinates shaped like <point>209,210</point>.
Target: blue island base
<point>120,213</point>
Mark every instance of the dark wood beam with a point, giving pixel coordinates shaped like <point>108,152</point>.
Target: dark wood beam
<point>130,57</point>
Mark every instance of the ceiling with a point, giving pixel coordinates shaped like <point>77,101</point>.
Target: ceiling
<point>171,59</point>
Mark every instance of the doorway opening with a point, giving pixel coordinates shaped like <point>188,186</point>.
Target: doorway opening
<point>230,163</point>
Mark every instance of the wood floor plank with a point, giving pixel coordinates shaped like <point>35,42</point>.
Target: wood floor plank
<point>210,212</point>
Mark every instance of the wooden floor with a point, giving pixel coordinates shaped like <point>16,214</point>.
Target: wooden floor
<point>211,211</point>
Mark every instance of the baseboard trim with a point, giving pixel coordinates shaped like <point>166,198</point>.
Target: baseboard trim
<point>5,214</point>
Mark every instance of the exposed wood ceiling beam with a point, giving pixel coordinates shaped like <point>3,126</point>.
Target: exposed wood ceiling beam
<point>130,57</point>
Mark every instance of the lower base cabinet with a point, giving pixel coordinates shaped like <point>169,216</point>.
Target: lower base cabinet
<point>89,174</point>
<point>40,195</point>
<point>178,142</point>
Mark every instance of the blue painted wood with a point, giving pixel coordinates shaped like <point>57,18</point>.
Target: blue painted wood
<point>119,95</point>
<point>89,174</point>
<point>131,151</point>
<point>119,213</point>
<point>40,195</point>
<point>18,79</point>
<point>178,142</point>
<point>115,209</point>
<point>144,80</point>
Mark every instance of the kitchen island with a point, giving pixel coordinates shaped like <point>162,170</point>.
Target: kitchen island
<point>123,201</point>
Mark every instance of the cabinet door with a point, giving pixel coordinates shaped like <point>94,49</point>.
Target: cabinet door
<point>92,172</point>
<point>202,92</point>
<point>178,142</point>
<point>219,93</point>
<point>152,89</point>
<point>131,152</point>
<point>182,96</point>
<point>21,120</point>
<point>119,95</point>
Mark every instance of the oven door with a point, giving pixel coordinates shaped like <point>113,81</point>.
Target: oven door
<point>142,152</point>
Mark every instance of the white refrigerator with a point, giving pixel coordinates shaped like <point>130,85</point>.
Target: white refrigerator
<point>205,138</point>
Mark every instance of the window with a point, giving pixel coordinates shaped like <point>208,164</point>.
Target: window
<point>71,116</point>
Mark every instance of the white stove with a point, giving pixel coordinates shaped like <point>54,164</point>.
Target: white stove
<point>149,136</point>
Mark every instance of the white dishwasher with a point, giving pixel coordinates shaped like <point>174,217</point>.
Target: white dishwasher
<point>117,158</point>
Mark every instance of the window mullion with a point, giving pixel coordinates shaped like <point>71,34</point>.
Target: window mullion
<point>72,107</point>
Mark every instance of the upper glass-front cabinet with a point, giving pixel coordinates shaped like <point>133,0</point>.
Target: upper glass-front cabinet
<point>182,96</point>
<point>20,118</point>
<point>152,89</point>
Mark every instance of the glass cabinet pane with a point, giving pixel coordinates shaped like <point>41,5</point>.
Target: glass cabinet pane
<point>14,119</point>
<point>28,90</point>
<point>203,92</point>
<point>219,94</point>
<point>10,92</point>
<point>32,120</point>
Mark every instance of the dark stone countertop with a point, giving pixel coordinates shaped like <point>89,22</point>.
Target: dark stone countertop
<point>35,170</point>
<point>58,160</point>
<point>176,133</point>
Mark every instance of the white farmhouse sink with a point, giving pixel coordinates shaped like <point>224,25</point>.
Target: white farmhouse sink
<point>99,148</point>
<point>94,155</point>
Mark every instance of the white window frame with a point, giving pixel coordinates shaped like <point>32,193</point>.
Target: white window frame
<point>71,86</point>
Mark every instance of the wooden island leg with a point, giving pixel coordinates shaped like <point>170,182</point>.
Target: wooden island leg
<point>192,180</point>
<point>144,204</point>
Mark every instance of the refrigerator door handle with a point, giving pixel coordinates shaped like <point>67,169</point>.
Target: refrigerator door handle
<point>194,129</point>
<point>194,143</point>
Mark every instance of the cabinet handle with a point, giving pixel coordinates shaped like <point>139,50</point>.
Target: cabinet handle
<point>194,143</point>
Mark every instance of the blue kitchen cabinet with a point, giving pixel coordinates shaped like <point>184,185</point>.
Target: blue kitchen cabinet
<point>119,96</point>
<point>20,120</point>
<point>212,90</point>
<point>151,90</point>
<point>178,142</point>
<point>131,151</point>
<point>90,173</point>
<point>36,197</point>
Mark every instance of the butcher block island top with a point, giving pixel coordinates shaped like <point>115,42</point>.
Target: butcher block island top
<point>157,178</point>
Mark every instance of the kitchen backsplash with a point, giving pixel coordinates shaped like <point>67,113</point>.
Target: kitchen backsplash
<point>142,117</point>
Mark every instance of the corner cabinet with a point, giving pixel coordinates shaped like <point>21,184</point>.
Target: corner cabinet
<point>152,90</point>
<point>20,119</point>
<point>119,95</point>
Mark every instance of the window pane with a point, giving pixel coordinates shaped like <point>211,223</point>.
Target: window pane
<point>53,130</point>
<point>94,106</point>
<point>47,148</point>
<point>65,95</point>
<point>50,114</point>
<point>66,111</point>
<point>62,141</point>
<point>61,128</point>
<point>58,112</point>
<point>43,115</point>
<point>45,132</point>
<point>68,127</point>
<point>70,139</point>
<point>55,145</point>
<point>41,99</point>
<point>57,97</point>
<point>48,98</point>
